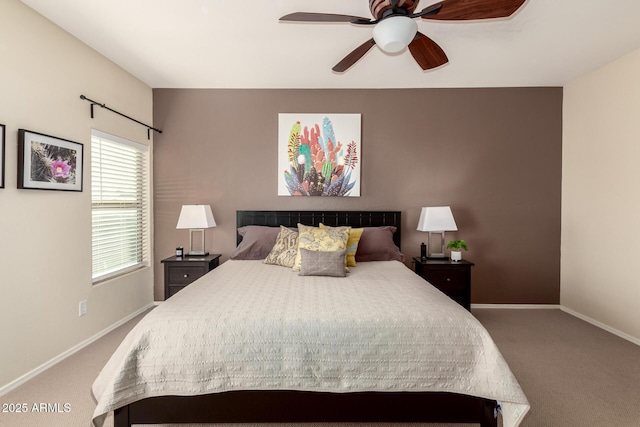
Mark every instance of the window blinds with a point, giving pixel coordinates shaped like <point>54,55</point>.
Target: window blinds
<point>119,205</point>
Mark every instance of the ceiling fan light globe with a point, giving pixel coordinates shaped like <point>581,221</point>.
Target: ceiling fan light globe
<point>393,34</point>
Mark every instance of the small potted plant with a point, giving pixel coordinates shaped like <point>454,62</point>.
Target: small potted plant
<point>456,247</point>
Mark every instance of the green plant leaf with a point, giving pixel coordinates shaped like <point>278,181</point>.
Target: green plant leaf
<point>457,245</point>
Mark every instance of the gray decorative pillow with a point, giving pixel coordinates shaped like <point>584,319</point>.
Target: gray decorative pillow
<point>257,242</point>
<point>322,263</point>
<point>321,239</point>
<point>376,244</point>
<point>285,249</point>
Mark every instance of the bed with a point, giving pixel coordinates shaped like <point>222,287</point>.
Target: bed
<point>251,342</point>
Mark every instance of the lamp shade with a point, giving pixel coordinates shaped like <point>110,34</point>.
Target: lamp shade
<point>437,218</point>
<point>394,33</point>
<point>196,217</point>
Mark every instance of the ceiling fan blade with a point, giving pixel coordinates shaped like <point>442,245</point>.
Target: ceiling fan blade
<point>427,53</point>
<point>462,10</point>
<point>354,56</point>
<point>431,10</point>
<point>322,17</point>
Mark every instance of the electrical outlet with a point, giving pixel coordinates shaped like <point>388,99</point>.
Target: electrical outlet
<point>82,308</point>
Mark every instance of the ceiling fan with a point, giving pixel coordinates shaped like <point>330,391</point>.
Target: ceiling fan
<point>395,28</point>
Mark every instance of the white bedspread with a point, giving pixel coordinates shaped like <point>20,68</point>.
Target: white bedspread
<point>251,326</point>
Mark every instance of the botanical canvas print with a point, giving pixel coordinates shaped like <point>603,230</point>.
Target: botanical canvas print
<point>319,155</point>
<point>49,163</point>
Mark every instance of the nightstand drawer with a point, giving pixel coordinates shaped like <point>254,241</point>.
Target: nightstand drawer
<point>185,274</point>
<point>447,279</point>
<point>452,278</point>
<point>181,271</point>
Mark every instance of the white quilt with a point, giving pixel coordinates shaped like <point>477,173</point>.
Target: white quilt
<point>251,326</point>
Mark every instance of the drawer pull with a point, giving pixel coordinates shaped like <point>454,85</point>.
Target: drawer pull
<point>185,276</point>
<point>448,279</point>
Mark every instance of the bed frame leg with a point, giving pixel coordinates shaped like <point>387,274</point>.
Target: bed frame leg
<point>121,417</point>
<point>490,414</point>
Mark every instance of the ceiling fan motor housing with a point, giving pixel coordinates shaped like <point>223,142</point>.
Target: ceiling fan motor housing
<point>394,33</point>
<point>379,7</point>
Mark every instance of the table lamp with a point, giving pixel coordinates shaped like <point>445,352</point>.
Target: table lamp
<point>436,220</point>
<point>196,218</point>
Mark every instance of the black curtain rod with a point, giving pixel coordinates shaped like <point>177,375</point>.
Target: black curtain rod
<point>149,128</point>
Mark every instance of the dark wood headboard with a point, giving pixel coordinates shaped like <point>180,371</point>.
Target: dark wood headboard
<point>314,218</point>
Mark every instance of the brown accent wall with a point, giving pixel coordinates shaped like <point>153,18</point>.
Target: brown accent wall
<point>493,155</point>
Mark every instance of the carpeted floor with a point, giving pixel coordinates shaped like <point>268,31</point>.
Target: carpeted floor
<point>573,373</point>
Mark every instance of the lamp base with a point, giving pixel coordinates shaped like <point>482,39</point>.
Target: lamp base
<point>194,254</point>
<point>437,252</point>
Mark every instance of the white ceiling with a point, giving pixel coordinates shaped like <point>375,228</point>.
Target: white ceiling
<point>241,44</point>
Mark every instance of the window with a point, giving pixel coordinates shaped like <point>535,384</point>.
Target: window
<point>119,205</point>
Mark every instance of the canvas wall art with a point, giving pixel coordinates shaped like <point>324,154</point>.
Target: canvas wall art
<point>319,154</point>
<point>48,163</point>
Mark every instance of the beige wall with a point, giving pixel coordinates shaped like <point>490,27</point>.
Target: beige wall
<point>600,203</point>
<point>493,155</point>
<point>45,255</point>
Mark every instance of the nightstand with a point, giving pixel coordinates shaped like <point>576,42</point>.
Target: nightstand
<point>180,271</point>
<point>452,278</point>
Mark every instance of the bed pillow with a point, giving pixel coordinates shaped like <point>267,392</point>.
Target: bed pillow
<point>257,242</point>
<point>352,244</point>
<point>376,244</point>
<point>322,263</point>
<point>321,239</point>
<point>285,249</point>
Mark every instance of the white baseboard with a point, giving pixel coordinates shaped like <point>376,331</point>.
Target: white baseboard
<point>601,325</point>
<point>519,306</point>
<point>29,375</point>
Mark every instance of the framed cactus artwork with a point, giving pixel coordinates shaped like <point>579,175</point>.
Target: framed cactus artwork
<point>319,155</point>
<point>48,163</point>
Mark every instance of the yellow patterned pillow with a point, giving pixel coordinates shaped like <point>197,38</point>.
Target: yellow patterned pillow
<point>352,244</point>
<point>318,239</point>
<point>285,249</point>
